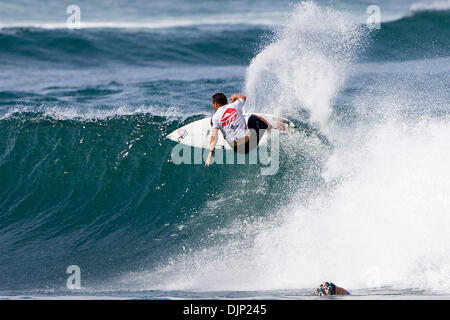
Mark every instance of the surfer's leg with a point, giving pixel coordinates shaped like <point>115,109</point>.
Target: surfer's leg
<point>243,149</point>
<point>262,123</point>
<point>258,123</point>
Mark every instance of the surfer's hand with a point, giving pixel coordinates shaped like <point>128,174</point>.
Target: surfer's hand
<point>233,98</point>
<point>236,96</point>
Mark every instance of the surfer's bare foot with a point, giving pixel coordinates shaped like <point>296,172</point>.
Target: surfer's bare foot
<point>280,125</point>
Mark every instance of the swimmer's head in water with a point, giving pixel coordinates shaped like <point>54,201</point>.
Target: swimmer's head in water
<point>326,289</point>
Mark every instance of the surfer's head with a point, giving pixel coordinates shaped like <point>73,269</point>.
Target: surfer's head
<point>219,99</point>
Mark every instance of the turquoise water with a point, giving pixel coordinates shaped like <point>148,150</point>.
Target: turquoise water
<point>86,176</point>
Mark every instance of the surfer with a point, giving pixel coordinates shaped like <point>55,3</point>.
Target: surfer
<point>229,119</point>
<point>329,289</point>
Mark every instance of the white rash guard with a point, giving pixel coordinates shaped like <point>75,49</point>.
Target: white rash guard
<point>230,120</point>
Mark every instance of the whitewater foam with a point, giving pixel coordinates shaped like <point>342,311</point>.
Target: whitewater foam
<point>305,65</point>
<point>433,6</point>
<point>384,225</point>
<point>94,114</point>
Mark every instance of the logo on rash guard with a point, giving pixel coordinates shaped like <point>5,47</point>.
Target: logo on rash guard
<point>228,117</point>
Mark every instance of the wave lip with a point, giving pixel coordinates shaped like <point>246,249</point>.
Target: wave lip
<point>434,6</point>
<point>251,19</point>
<point>59,113</point>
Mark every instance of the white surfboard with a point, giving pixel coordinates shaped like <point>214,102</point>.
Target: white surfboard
<point>198,133</point>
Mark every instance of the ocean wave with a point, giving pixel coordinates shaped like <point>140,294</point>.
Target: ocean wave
<point>73,190</point>
<point>221,21</point>
<point>68,186</point>
<point>422,34</point>
<point>91,47</point>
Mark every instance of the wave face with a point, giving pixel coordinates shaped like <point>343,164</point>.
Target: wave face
<point>102,193</point>
<point>86,177</point>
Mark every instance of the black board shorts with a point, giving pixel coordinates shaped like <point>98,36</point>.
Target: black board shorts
<point>256,124</point>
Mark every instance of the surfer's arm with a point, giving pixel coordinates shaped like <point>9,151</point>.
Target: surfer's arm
<point>213,141</point>
<point>212,145</point>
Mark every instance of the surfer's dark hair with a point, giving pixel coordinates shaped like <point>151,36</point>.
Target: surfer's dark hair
<point>220,98</point>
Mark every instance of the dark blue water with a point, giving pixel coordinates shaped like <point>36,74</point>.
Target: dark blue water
<point>86,176</point>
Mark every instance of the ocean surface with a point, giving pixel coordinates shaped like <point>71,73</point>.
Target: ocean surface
<point>361,197</point>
